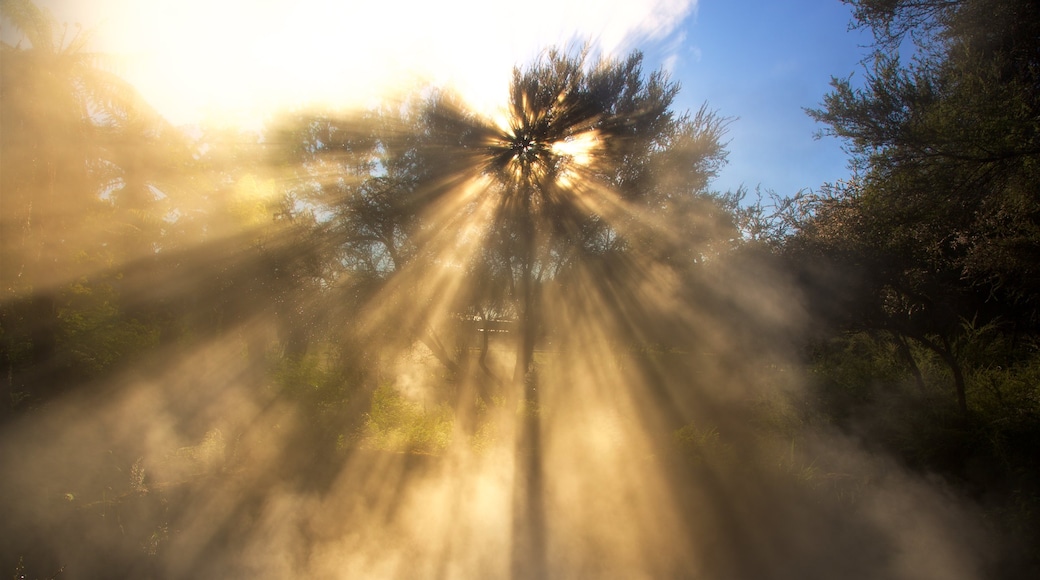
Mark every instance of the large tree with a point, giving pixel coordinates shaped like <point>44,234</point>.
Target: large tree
<point>454,221</point>
<point>943,217</point>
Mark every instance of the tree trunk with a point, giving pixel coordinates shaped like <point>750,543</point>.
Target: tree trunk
<point>482,390</point>
<point>958,376</point>
<point>904,349</point>
<point>529,561</point>
<point>439,352</point>
<point>946,353</point>
<point>529,541</point>
<point>526,322</point>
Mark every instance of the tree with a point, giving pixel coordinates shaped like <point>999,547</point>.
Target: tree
<point>576,128</point>
<point>442,226</point>
<point>83,160</point>
<point>945,206</point>
<point>590,162</point>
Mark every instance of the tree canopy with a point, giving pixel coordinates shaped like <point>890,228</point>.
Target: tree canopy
<point>943,209</point>
<point>589,164</point>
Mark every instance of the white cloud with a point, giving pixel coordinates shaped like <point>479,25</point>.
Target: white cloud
<point>248,56</point>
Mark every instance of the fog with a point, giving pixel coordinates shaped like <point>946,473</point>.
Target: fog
<point>421,340</point>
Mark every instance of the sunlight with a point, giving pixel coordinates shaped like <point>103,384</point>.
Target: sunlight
<point>238,60</point>
<point>580,149</point>
<point>429,337</point>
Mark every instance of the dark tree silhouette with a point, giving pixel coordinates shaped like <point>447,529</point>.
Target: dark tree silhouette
<point>589,162</point>
<point>441,225</point>
<point>943,217</point>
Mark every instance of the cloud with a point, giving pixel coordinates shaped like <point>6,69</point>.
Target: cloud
<point>192,56</point>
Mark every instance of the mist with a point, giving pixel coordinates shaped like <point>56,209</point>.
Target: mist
<point>424,338</point>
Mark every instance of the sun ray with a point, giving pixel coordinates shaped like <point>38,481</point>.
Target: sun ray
<point>415,341</point>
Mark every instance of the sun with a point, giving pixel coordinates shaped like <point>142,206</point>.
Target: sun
<point>239,60</point>
<point>537,147</point>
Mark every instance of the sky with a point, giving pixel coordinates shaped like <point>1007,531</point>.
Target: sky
<point>757,62</point>
<point>762,62</point>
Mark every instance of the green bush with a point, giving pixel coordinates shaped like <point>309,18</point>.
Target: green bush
<point>395,423</point>
<point>93,333</point>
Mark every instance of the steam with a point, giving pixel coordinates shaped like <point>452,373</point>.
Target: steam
<point>189,464</point>
<point>659,431</point>
<point>186,466</point>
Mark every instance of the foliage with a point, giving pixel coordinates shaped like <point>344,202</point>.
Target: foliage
<point>310,382</point>
<point>920,271</point>
<point>89,175</point>
<point>94,333</point>
<point>941,223</point>
<point>865,388</point>
<point>701,444</point>
<point>395,423</point>
<point>405,196</point>
<point>950,142</point>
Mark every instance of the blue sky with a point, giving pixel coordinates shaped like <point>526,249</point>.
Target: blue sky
<point>763,63</point>
<point>760,62</point>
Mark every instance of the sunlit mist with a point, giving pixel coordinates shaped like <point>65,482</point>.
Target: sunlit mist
<point>239,61</point>
<point>475,311</point>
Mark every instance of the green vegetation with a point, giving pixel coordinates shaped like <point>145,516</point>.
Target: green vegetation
<point>397,424</point>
